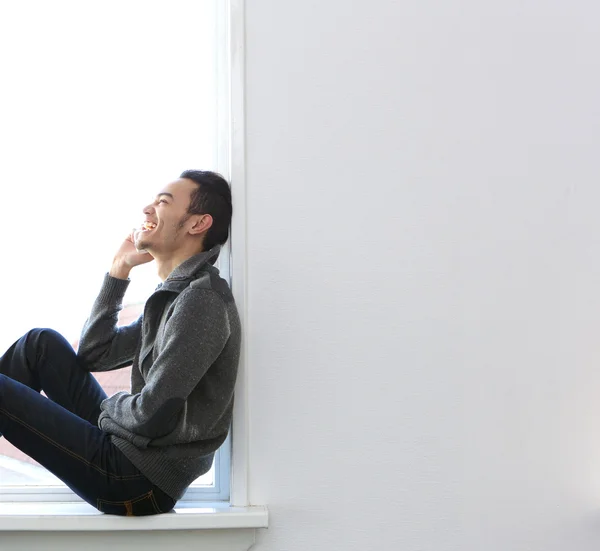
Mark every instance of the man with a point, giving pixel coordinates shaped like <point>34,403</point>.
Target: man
<point>136,453</point>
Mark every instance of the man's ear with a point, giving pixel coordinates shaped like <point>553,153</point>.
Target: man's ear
<point>201,224</point>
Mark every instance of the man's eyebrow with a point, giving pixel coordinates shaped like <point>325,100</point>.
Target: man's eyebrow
<point>165,193</point>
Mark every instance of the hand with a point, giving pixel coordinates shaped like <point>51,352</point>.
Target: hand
<point>128,257</point>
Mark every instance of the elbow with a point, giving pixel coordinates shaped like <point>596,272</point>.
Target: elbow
<point>164,419</point>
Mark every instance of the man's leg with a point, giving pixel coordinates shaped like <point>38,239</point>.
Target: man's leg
<point>55,433</point>
<point>44,360</point>
<point>77,452</point>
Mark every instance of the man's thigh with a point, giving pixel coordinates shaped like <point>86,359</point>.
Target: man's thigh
<point>44,360</point>
<point>74,450</point>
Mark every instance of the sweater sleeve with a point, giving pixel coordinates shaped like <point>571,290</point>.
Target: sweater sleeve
<point>194,336</point>
<point>103,346</point>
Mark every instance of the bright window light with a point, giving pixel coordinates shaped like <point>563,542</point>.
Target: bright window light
<point>101,105</point>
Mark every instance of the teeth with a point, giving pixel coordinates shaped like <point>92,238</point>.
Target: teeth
<point>148,225</point>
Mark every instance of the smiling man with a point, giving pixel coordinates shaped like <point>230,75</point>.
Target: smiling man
<point>135,453</point>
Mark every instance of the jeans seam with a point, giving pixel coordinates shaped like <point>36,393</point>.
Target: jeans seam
<point>69,452</point>
<point>122,502</point>
<point>154,503</point>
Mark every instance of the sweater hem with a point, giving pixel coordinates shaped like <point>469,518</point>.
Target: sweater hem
<point>161,471</point>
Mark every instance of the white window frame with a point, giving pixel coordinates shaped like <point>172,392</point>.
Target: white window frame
<point>236,129</point>
<point>230,485</point>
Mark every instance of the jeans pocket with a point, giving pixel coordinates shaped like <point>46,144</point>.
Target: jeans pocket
<point>136,507</point>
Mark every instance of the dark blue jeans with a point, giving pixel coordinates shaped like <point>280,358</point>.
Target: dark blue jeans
<point>61,433</point>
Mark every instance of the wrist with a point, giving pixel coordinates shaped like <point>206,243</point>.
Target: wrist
<point>119,270</point>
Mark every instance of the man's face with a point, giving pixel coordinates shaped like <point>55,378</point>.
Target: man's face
<point>164,227</point>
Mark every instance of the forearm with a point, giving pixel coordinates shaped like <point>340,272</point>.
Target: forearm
<point>103,346</point>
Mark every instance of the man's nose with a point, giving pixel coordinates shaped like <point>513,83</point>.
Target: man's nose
<point>148,209</point>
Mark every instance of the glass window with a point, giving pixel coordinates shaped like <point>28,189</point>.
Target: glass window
<point>101,105</point>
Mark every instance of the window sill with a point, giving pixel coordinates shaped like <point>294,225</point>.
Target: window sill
<point>78,517</point>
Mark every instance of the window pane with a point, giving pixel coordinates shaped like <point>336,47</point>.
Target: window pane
<point>101,105</point>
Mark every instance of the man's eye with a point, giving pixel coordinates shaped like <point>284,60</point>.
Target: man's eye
<point>163,201</point>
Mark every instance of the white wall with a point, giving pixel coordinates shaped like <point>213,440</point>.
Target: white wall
<point>424,271</point>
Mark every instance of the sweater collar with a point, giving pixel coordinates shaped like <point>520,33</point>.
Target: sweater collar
<point>188,269</point>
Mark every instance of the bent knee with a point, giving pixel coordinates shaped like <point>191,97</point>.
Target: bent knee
<point>47,335</point>
<point>47,341</point>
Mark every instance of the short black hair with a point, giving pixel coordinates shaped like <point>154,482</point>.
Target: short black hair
<point>212,196</point>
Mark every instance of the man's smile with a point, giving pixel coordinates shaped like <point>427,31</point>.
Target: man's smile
<point>148,226</point>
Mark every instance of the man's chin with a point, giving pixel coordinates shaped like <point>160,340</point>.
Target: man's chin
<point>142,246</point>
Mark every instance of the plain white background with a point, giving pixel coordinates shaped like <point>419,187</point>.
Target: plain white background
<point>100,107</point>
<point>423,246</point>
<point>424,262</point>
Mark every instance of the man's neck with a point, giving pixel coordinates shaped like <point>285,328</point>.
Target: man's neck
<point>166,265</point>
